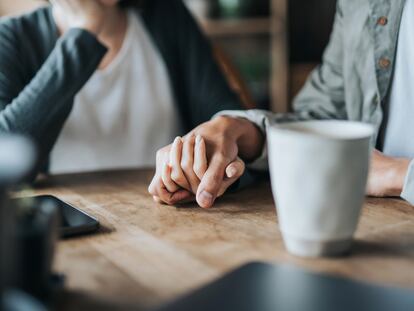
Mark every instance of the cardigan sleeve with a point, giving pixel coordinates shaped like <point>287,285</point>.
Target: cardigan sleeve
<point>32,109</point>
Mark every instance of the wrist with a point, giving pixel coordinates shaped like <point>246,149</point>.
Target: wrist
<point>398,173</point>
<point>247,135</point>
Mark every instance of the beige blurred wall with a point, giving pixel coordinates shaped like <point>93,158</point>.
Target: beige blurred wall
<point>13,7</point>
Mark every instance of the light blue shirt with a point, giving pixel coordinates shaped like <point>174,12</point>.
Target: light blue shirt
<point>356,74</point>
<point>399,131</point>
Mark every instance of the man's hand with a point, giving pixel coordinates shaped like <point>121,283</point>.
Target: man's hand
<point>85,14</point>
<point>387,175</point>
<point>181,166</point>
<point>205,162</point>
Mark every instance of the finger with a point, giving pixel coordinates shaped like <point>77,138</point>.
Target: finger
<point>166,179</point>
<point>233,172</point>
<point>160,193</point>
<point>180,196</point>
<point>211,182</point>
<point>235,169</point>
<point>157,199</point>
<point>152,188</point>
<point>200,157</point>
<point>177,174</point>
<point>187,163</point>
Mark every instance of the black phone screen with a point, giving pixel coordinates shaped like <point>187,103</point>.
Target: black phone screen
<point>72,220</point>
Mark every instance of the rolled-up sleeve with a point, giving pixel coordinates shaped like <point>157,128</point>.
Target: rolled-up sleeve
<point>261,119</point>
<point>408,190</point>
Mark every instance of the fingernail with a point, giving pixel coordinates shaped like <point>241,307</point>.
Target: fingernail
<point>232,172</point>
<point>177,140</point>
<point>206,198</point>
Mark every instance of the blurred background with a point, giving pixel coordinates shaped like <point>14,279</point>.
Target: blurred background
<point>271,45</point>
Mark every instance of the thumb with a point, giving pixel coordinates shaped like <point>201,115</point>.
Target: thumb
<point>235,169</point>
<point>233,172</point>
<point>210,184</point>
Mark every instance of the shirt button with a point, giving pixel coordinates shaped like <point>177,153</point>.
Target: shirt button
<point>384,63</point>
<point>382,21</point>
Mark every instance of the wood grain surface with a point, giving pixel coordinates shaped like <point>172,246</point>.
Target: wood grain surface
<point>146,254</point>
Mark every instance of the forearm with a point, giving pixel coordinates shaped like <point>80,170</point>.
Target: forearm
<point>247,136</point>
<point>408,188</point>
<point>250,141</point>
<point>397,176</point>
<point>72,62</point>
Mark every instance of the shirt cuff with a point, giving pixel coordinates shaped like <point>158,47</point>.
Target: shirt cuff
<point>408,189</point>
<point>260,119</point>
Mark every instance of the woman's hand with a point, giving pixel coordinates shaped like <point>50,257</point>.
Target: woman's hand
<point>387,175</point>
<point>84,14</point>
<point>162,188</point>
<point>205,162</point>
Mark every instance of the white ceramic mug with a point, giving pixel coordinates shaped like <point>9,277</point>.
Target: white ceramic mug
<point>319,172</point>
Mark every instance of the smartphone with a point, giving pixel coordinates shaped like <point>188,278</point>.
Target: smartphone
<point>73,221</point>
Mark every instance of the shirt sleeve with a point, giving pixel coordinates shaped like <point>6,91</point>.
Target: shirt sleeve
<point>37,108</point>
<point>321,98</point>
<point>260,118</point>
<point>408,189</point>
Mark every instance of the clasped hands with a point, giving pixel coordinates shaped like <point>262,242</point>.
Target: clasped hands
<point>202,165</point>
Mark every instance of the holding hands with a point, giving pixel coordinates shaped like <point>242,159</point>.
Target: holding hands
<point>205,163</point>
<point>202,165</point>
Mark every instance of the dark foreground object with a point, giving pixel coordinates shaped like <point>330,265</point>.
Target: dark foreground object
<point>265,287</point>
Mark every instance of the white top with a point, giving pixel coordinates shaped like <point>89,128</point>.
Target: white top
<point>123,114</point>
<point>399,133</point>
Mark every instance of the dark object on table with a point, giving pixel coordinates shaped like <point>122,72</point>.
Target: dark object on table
<point>17,158</point>
<point>265,287</point>
<point>73,221</point>
<point>35,236</point>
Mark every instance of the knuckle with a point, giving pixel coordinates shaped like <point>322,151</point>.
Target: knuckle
<point>166,200</point>
<point>186,165</point>
<point>200,170</point>
<point>221,157</point>
<point>216,177</point>
<point>165,197</point>
<point>177,177</point>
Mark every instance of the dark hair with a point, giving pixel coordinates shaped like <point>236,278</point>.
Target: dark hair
<point>131,3</point>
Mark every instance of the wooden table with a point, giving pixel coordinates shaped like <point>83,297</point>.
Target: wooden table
<point>146,254</point>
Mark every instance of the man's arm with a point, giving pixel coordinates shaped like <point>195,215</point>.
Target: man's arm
<point>322,97</point>
<point>391,177</point>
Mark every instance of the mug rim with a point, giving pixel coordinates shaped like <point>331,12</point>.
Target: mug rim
<point>360,130</point>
